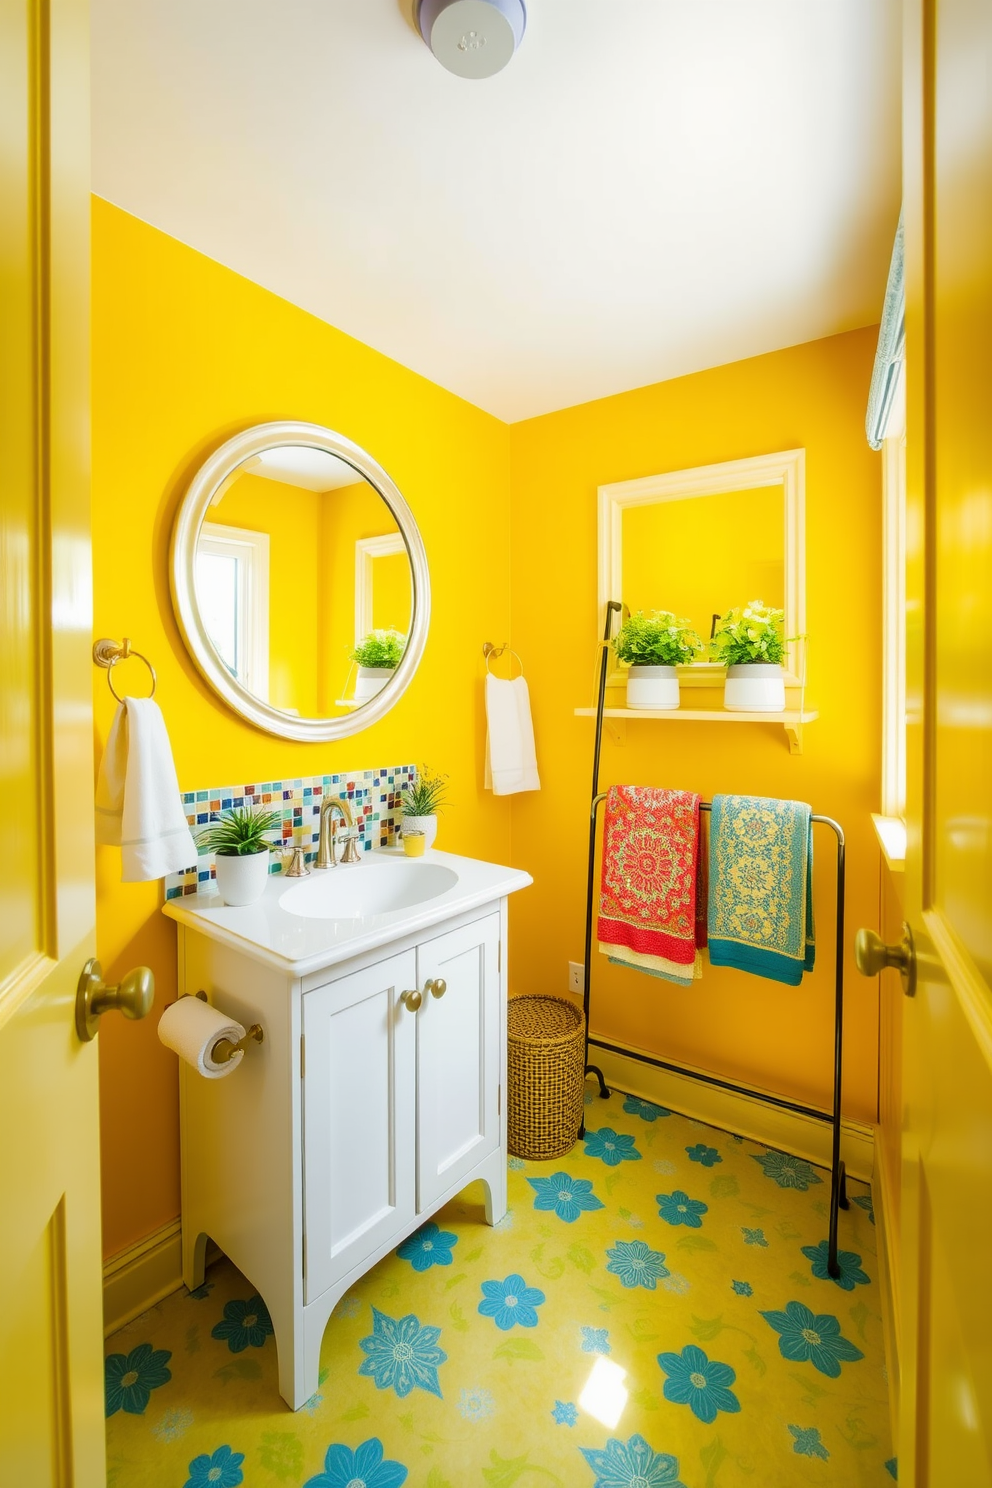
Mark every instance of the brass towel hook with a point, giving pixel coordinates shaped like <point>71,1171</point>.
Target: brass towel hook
<point>107,653</point>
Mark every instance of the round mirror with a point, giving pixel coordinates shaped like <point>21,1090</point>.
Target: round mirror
<point>300,582</point>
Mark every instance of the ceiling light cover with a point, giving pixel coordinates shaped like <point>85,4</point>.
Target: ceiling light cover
<point>472,38</point>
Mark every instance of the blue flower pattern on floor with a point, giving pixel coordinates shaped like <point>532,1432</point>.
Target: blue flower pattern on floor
<point>420,1387</point>
<point>700,1153</point>
<point>849,1264</point>
<point>634,1106</point>
<point>222,1469</point>
<point>700,1383</point>
<point>807,1442</point>
<point>636,1264</point>
<point>402,1355</point>
<point>428,1246</point>
<point>244,1324</point>
<point>678,1209</point>
<point>595,1341</point>
<point>130,1379</point>
<point>632,1464</point>
<point>610,1147</point>
<point>865,1202</point>
<point>365,1467</point>
<point>565,1195</point>
<point>816,1338</point>
<point>787,1172</point>
<point>511,1303</point>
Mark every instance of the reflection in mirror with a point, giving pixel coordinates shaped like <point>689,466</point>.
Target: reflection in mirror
<point>297,559</point>
<point>700,555</point>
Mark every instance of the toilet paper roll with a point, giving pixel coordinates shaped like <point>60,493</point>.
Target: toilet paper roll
<point>193,1029</point>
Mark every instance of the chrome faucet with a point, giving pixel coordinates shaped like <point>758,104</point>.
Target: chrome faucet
<point>326,856</point>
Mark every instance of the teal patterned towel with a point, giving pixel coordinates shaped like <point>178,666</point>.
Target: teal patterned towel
<point>761,887</point>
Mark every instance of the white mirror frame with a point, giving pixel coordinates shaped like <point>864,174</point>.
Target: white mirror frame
<point>221,466</point>
<point>786,469</point>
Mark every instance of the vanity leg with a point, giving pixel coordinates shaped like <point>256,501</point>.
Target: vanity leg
<point>194,1257</point>
<point>493,1176</point>
<point>298,1371</point>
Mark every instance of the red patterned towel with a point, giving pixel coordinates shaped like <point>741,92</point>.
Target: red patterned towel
<point>648,898</point>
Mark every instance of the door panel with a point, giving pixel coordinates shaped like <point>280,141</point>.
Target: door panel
<point>458,1070</point>
<point>946,1300</point>
<point>359,1114</point>
<point>51,1367</point>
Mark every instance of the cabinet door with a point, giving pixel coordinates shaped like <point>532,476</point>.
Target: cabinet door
<point>359,1111</point>
<point>459,1042</point>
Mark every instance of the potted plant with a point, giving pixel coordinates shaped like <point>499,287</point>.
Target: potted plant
<point>378,655</point>
<point>751,644</point>
<point>241,853</point>
<point>654,643</point>
<point>421,803</point>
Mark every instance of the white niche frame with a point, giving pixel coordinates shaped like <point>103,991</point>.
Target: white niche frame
<point>367,549</point>
<point>785,468</point>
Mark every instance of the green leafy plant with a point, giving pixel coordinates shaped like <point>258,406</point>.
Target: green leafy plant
<point>752,634</point>
<point>656,638</point>
<point>426,797</point>
<point>380,648</point>
<point>239,833</point>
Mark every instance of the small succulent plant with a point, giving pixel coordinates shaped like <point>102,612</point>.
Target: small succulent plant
<point>239,833</point>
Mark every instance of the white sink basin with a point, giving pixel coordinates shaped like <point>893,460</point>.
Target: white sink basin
<point>366,890</point>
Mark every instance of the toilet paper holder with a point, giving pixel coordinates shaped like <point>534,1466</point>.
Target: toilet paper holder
<point>223,1050</point>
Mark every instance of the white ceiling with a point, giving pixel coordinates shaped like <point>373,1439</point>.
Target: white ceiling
<point>650,188</point>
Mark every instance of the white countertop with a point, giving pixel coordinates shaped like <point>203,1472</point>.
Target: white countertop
<point>290,942</point>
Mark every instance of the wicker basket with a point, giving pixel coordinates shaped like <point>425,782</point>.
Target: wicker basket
<point>545,1076</point>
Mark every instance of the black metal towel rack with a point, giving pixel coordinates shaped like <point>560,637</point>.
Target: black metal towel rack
<point>838,1177</point>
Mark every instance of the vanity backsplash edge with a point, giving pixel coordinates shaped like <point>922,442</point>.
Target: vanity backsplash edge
<point>376,803</point>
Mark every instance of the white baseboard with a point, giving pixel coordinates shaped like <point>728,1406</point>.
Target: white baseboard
<point>747,1116</point>
<point>142,1275</point>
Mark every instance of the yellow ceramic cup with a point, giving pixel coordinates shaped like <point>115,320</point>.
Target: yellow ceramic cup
<point>414,844</point>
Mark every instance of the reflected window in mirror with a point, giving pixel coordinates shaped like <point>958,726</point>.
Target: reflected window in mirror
<point>232,578</point>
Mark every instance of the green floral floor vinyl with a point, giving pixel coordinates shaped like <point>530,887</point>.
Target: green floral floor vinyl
<point>653,1311</point>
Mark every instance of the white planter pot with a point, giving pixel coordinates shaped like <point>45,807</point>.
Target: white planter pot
<point>652,687</point>
<point>425,824</point>
<point>370,681</point>
<point>242,880</point>
<point>754,688</point>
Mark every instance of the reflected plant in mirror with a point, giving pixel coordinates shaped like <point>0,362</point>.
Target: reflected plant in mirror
<point>293,552</point>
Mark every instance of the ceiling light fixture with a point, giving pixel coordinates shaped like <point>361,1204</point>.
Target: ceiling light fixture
<point>472,38</point>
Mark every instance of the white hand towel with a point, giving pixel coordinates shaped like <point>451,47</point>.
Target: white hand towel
<point>138,805</point>
<point>511,760</point>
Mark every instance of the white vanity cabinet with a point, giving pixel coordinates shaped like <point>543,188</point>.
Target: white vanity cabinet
<point>375,1096</point>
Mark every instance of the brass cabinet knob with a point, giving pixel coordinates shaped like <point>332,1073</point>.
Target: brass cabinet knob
<point>437,987</point>
<point>872,955</point>
<point>133,996</point>
<point>412,1000</point>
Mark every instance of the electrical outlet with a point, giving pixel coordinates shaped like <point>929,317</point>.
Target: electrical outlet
<point>576,977</point>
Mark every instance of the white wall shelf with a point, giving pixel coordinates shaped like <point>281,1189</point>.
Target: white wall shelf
<point>792,719</point>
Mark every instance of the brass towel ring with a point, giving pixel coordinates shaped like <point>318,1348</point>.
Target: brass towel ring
<point>493,653</point>
<point>107,654</point>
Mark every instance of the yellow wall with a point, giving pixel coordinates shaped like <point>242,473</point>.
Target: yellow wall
<point>185,353</point>
<point>811,396</point>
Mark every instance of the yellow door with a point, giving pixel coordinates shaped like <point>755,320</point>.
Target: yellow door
<point>945,1433</point>
<point>51,1384</point>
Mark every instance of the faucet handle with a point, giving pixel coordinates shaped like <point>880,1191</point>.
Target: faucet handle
<point>352,852</point>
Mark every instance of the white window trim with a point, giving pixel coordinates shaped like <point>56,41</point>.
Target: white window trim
<point>786,469</point>
<point>894,607</point>
<point>252,551</point>
<point>367,549</point>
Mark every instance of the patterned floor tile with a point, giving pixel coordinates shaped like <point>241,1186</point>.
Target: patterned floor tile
<point>654,1310</point>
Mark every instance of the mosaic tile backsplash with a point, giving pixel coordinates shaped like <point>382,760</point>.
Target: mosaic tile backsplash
<point>375,802</point>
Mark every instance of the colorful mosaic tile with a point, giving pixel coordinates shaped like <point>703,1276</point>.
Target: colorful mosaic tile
<point>374,796</point>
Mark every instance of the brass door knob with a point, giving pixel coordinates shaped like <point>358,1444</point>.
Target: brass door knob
<point>133,996</point>
<point>412,1000</point>
<point>872,955</point>
<point>437,987</point>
